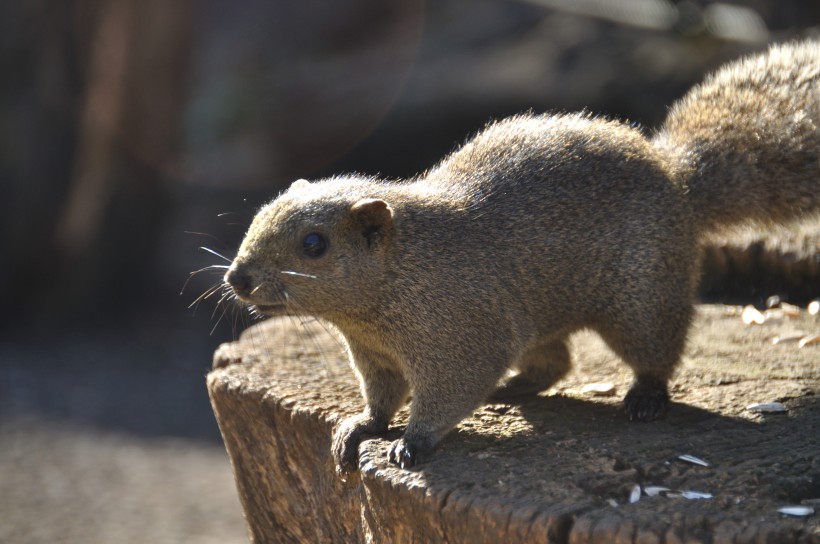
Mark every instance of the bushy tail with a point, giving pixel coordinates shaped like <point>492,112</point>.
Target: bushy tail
<point>745,144</point>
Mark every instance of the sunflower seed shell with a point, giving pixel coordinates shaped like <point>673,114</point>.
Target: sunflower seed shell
<point>694,460</point>
<point>796,510</point>
<point>767,407</point>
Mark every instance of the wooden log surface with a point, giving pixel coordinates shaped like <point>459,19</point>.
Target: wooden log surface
<point>558,467</point>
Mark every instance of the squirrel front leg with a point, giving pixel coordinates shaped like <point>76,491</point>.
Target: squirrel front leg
<point>385,391</point>
<point>441,399</point>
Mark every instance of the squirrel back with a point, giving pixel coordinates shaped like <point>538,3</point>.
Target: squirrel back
<point>746,142</point>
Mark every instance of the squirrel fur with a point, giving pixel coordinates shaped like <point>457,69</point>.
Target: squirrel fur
<point>537,227</point>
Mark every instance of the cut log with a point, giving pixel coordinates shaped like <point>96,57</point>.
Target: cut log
<point>558,467</point>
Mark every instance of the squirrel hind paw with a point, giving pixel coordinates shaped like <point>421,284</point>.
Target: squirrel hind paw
<point>646,401</point>
<point>517,387</point>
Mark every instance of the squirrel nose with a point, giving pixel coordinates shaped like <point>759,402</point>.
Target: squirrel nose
<point>239,280</point>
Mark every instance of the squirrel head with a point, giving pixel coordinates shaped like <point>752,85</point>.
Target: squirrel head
<point>314,250</point>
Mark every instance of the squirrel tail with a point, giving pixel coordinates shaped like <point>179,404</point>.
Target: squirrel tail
<point>745,144</point>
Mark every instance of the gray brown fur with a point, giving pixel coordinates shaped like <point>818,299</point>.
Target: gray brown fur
<point>539,226</point>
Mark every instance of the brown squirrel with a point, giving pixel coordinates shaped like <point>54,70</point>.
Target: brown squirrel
<point>539,226</point>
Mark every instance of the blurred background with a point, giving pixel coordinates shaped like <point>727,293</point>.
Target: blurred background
<point>133,132</point>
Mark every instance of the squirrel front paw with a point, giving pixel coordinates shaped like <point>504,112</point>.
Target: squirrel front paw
<point>345,448</point>
<point>402,453</point>
<point>410,452</point>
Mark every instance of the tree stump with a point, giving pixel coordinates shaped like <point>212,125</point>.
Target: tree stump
<point>558,467</point>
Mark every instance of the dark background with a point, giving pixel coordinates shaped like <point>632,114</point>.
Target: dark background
<point>126,125</point>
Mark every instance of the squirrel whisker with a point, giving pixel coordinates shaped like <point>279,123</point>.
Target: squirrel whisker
<point>212,268</point>
<point>212,252</point>
<point>205,294</point>
<point>300,274</point>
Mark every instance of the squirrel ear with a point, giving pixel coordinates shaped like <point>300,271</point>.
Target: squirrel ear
<point>298,184</point>
<point>374,216</point>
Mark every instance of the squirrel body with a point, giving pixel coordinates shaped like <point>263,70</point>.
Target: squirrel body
<point>539,226</point>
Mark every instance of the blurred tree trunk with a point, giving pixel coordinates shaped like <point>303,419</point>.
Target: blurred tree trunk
<point>129,141</point>
<point>38,97</point>
<point>105,211</point>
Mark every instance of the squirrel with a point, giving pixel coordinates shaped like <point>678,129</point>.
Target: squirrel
<point>537,227</point>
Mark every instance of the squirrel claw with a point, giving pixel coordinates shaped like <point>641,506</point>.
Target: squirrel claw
<point>402,453</point>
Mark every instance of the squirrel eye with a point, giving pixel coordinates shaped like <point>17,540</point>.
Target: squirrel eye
<point>314,245</point>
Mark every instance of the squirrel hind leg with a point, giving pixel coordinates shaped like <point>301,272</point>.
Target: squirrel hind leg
<point>652,348</point>
<point>539,368</point>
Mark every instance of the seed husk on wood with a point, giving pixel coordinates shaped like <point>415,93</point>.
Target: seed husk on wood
<point>767,407</point>
<point>798,510</point>
<point>692,459</point>
<point>809,340</point>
